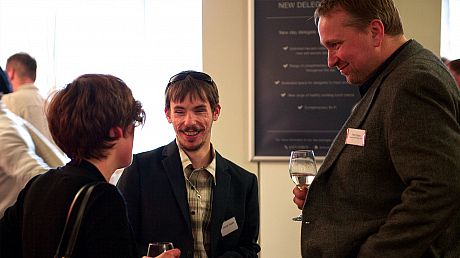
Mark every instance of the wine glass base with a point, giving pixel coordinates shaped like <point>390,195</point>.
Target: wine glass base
<point>298,218</point>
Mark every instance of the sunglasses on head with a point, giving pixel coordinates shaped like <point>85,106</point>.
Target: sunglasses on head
<point>195,75</point>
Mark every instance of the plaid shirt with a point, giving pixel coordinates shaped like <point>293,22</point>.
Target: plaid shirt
<point>199,192</point>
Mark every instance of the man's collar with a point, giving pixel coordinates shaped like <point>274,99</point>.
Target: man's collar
<point>366,85</point>
<point>27,86</point>
<point>185,160</point>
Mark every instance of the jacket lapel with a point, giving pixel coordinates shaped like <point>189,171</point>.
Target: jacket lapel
<point>361,109</point>
<point>173,167</point>
<point>219,201</point>
<point>357,115</point>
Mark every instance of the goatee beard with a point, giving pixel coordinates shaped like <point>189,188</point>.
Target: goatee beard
<point>193,148</point>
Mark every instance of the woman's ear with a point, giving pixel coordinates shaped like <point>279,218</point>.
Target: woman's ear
<point>115,132</point>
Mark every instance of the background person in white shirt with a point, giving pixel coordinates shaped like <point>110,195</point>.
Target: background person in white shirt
<point>25,100</point>
<point>24,153</point>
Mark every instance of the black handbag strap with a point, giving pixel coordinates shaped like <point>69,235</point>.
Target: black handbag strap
<point>84,193</point>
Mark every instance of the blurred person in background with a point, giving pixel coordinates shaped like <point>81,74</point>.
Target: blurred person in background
<point>26,100</point>
<point>24,152</point>
<point>454,67</point>
<point>445,60</point>
<point>5,85</point>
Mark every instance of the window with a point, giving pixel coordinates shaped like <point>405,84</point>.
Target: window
<point>450,33</point>
<point>143,42</point>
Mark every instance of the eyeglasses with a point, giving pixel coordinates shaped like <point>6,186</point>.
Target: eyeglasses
<point>139,117</point>
<point>195,75</point>
<point>139,121</point>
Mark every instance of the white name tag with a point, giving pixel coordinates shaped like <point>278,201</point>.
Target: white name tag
<point>228,226</point>
<point>355,137</point>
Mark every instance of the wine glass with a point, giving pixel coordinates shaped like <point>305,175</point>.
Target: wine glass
<point>158,248</point>
<point>302,169</point>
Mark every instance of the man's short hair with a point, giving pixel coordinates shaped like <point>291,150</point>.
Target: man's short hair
<point>364,11</point>
<point>197,84</point>
<point>24,65</point>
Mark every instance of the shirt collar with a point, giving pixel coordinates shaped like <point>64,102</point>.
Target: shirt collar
<point>366,85</point>
<point>211,167</point>
<point>27,86</point>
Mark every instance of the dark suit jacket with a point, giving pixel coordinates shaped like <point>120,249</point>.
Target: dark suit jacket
<point>156,196</point>
<point>397,196</point>
<point>37,219</point>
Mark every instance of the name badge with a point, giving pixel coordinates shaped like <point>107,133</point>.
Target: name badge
<point>228,226</point>
<point>355,137</point>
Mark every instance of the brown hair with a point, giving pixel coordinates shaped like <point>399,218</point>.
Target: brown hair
<point>81,115</point>
<point>24,65</point>
<point>204,90</point>
<point>364,11</point>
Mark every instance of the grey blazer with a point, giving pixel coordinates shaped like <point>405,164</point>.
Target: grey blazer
<point>398,195</point>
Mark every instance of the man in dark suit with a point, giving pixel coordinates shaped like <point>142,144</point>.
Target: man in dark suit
<point>390,183</point>
<point>186,192</point>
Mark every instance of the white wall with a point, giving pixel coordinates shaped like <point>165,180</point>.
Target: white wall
<point>226,50</point>
<point>422,21</point>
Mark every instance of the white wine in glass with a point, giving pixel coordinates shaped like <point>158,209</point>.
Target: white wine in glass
<point>302,169</point>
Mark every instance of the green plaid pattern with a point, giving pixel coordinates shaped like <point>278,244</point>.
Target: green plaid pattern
<point>199,192</point>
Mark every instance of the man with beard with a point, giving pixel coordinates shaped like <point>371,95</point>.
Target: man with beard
<point>186,192</point>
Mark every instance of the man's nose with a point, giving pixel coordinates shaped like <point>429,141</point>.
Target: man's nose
<point>331,59</point>
<point>189,118</point>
